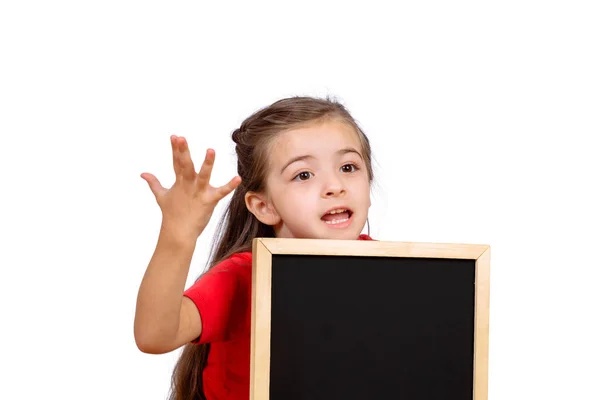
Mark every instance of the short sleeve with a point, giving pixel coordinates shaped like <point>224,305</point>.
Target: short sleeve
<point>213,295</point>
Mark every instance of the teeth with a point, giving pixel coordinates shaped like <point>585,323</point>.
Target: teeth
<point>341,210</point>
<point>336,221</point>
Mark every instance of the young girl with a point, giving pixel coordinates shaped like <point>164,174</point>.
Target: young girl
<point>305,171</point>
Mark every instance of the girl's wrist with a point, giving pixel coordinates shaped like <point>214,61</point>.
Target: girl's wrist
<point>177,237</point>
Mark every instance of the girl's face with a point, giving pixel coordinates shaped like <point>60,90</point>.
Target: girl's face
<point>318,184</point>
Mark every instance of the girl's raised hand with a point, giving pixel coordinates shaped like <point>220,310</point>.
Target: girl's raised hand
<point>188,205</point>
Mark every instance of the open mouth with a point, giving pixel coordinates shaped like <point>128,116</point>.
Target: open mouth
<point>337,216</point>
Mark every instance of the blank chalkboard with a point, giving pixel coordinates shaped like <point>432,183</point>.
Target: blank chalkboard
<point>369,320</point>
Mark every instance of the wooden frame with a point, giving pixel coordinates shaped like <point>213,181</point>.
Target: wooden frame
<point>264,248</point>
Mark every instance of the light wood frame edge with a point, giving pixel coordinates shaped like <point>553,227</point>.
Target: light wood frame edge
<point>260,343</point>
<point>264,248</point>
<point>373,248</point>
<point>482,326</point>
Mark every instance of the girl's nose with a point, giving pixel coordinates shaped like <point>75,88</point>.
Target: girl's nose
<point>334,187</point>
<point>334,193</point>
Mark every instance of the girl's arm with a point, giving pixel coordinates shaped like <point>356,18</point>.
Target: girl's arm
<point>164,318</point>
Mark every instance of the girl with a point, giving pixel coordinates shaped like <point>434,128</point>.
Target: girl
<point>305,171</point>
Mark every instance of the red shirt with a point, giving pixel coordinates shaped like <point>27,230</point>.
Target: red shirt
<point>223,296</point>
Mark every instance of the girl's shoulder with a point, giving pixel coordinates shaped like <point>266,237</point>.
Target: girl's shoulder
<point>236,261</point>
<point>243,260</point>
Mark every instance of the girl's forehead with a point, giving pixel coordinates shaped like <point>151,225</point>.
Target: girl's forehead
<point>321,138</point>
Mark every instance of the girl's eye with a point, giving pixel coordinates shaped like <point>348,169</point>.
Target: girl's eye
<point>302,176</point>
<point>349,168</point>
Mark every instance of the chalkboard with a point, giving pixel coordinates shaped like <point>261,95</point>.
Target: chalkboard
<point>369,320</point>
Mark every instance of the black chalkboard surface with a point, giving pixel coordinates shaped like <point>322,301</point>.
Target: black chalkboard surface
<point>369,320</point>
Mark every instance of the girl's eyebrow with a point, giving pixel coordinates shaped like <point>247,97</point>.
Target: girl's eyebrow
<point>343,151</point>
<point>295,159</point>
<point>347,150</point>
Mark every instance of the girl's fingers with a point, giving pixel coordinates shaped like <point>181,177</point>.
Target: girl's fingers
<point>155,186</point>
<point>206,169</point>
<point>229,187</point>
<point>175,149</point>
<point>185,160</point>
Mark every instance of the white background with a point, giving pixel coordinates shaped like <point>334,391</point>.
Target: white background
<point>484,119</point>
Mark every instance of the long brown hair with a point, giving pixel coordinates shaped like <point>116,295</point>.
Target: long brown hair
<point>238,227</point>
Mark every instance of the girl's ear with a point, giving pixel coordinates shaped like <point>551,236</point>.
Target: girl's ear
<point>262,209</point>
